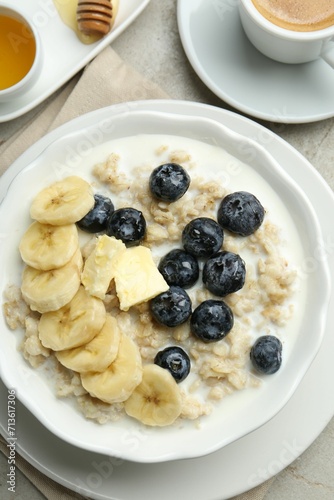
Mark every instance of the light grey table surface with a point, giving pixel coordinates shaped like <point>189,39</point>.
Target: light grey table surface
<point>311,476</point>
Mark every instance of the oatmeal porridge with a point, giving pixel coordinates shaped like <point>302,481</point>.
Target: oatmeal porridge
<point>263,306</point>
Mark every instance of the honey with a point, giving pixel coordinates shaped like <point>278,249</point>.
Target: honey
<point>17,51</point>
<point>67,10</point>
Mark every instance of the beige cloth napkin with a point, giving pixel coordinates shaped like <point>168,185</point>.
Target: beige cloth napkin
<point>106,80</point>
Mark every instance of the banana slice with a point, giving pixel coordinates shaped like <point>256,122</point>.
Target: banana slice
<point>64,202</point>
<point>116,383</point>
<point>48,247</point>
<point>97,354</point>
<point>49,290</point>
<point>156,401</point>
<point>75,324</point>
<point>98,272</point>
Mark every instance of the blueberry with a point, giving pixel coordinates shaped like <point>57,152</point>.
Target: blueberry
<point>202,237</point>
<point>179,268</point>
<point>128,225</point>
<point>171,308</point>
<point>212,320</point>
<point>96,219</point>
<point>169,182</point>
<point>266,354</point>
<point>240,212</point>
<point>175,360</point>
<point>224,273</point>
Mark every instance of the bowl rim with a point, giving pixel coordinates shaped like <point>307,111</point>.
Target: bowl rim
<point>17,12</point>
<point>131,113</point>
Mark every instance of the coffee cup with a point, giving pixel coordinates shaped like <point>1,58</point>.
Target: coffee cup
<point>21,52</point>
<point>287,41</point>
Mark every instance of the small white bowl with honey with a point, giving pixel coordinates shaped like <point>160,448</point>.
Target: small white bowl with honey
<point>21,52</point>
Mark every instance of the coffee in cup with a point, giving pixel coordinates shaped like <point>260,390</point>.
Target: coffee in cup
<point>290,31</point>
<point>298,15</point>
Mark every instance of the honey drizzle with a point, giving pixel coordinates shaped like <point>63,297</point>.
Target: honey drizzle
<point>67,10</point>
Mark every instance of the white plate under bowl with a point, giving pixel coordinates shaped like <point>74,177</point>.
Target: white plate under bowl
<point>225,60</point>
<point>228,422</point>
<point>63,53</point>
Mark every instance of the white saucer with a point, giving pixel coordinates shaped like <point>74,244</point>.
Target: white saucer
<point>64,54</point>
<point>241,465</point>
<point>236,72</point>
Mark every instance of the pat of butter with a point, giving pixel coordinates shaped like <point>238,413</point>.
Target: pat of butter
<point>98,269</point>
<point>137,278</point>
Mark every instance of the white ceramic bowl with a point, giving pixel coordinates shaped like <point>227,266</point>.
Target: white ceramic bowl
<point>236,415</point>
<point>15,12</point>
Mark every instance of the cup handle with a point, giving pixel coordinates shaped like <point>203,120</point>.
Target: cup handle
<point>327,53</point>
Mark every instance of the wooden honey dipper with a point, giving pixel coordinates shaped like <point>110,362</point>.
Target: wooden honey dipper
<point>94,17</point>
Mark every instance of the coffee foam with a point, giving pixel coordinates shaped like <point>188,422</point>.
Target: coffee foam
<point>298,15</point>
